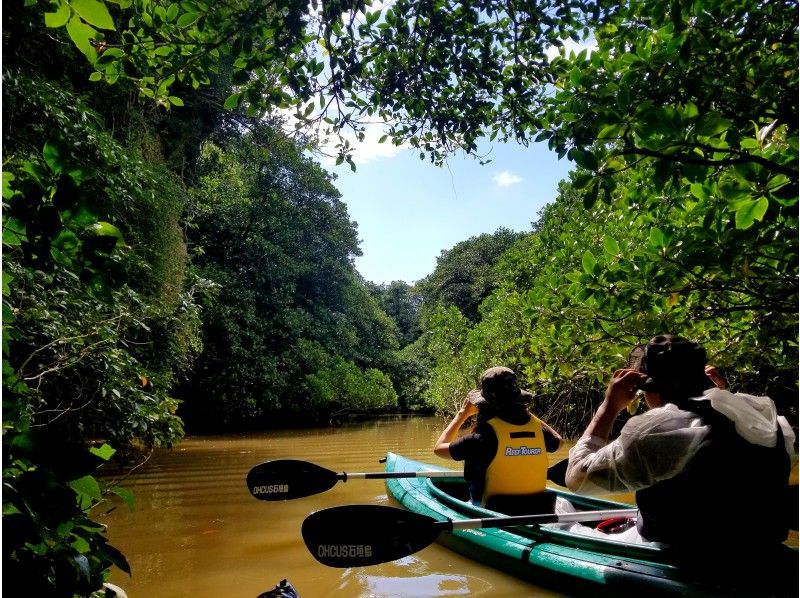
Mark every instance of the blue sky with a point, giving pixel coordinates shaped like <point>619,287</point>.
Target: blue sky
<point>409,210</point>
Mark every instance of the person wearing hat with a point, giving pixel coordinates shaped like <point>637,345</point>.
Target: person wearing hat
<point>505,453</point>
<point>697,459</point>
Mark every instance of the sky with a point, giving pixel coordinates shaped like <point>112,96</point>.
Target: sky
<point>408,211</point>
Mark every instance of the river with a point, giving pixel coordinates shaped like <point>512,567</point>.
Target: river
<point>197,532</point>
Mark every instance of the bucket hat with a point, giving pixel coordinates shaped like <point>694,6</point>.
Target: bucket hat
<point>498,386</point>
<point>670,362</point>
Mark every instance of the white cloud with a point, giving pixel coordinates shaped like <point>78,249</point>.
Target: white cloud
<point>506,179</point>
<point>363,151</point>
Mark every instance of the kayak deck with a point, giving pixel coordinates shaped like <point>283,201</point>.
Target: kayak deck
<point>554,557</point>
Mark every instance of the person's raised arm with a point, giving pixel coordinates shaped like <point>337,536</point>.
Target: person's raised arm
<point>621,391</point>
<point>450,433</point>
<point>716,377</point>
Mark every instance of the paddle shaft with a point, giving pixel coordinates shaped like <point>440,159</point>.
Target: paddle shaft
<point>389,475</point>
<point>456,525</point>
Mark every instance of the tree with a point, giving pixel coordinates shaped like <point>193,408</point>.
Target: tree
<point>401,302</point>
<point>99,318</point>
<point>271,231</point>
<point>465,275</point>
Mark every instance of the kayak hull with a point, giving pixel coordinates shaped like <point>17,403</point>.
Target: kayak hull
<point>571,563</point>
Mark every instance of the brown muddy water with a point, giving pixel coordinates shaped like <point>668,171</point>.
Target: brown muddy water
<point>197,532</point>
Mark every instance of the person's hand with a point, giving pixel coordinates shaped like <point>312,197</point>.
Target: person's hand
<point>622,388</point>
<point>716,377</point>
<point>468,408</point>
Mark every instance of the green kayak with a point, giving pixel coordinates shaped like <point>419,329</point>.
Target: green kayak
<point>559,559</point>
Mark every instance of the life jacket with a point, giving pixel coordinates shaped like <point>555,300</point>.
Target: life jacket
<point>711,500</point>
<point>519,465</point>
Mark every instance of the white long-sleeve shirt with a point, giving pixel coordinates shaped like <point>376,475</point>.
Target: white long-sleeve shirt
<point>657,445</point>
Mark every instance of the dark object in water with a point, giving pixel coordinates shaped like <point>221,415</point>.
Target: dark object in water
<point>283,590</point>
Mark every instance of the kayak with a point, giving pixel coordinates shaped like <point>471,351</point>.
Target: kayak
<point>560,558</point>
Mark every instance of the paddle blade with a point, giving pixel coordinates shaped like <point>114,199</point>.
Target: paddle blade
<point>285,479</point>
<point>361,535</point>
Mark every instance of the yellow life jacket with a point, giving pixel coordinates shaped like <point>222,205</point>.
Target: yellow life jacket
<point>520,464</point>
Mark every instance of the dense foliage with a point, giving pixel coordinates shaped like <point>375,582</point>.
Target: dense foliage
<point>686,137</point>
<point>465,274</point>
<point>290,312</point>
<point>98,316</point>
<point>551,322</point>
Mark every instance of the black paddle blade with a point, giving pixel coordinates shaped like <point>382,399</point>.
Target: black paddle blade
<point>361,535</point>
<point>287,478</point>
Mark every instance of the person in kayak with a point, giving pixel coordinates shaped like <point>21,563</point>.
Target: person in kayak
<point>505,453</point>
<point>699,460</point>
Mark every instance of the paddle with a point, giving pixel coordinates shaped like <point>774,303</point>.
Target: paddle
<point>361,535</point>
<point>289,478</point>
<point>285,479</point>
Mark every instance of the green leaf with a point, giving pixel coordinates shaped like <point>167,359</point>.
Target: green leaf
<point>125,495</point>
<point>582,180</point>
<point>584,159</point>
<point>700,191</point>
<point>751,211</point>
<point>94,12</point>
<point>233,101</point>
<point>58,18</point>
<point>63,247</point>
<point>610,245</point>
<point>98,287</point>
<point>778,181</point>
<point>590,196</point>
<point>116,557</point>
<point>80,33</point>
<point>611,131</point>
<point>8,192</point>
<point>105,452</point>
<point>711,124</point>
<point>106,229</point>
<point>14,232</point>
<point>187,18</point>
<point>86,486</point>
<point>588,260</point>
<point>175,101</point>
<point>80,545</point>
<point>7,280</point>
<point>658,239</point>
<point>53,153</point>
